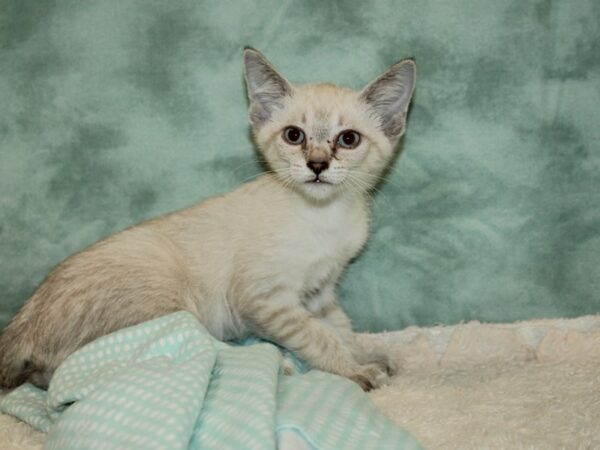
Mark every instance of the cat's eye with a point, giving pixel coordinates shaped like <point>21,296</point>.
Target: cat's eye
<point>293,135</point>
<point>348,139</point>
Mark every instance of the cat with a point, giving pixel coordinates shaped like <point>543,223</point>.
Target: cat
<point>262,260</point>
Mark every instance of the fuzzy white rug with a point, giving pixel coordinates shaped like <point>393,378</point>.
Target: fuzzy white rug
<point>532,384</point>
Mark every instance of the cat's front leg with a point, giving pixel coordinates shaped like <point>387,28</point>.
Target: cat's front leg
<point>282,319</point>
<point>332,315</point>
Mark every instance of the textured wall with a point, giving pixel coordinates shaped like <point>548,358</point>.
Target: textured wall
<point>115,111</point>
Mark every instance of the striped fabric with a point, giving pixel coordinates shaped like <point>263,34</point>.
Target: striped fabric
<point>168,384</point>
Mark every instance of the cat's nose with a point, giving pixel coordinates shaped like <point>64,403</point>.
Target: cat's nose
<point>317,166</point>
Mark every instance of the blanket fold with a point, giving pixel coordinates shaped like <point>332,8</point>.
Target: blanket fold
<point>168,383</point>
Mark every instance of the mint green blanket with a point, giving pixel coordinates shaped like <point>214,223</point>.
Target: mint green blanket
<point>169,384</point>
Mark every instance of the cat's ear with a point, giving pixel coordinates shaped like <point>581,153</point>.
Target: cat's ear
<point>266,87</point>
<point>389,96</point>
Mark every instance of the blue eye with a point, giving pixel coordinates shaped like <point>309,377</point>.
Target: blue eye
<point>348,139</point>
<point>293,135</point>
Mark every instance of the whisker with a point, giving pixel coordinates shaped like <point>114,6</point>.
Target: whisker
<point>354,187</point>
<point>370,189</point>
<point>253,177</point>
<point>377,177</point>
<point>247,163</point>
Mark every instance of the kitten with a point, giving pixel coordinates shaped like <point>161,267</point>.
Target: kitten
<point>263,259</point>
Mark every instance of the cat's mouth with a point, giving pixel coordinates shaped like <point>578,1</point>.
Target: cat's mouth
<point>317,180</point>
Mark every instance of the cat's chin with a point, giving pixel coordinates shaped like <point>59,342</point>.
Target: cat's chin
<point>318,190</point>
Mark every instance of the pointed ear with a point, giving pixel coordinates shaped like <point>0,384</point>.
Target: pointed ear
<point>389,96</point>
<point>266,87</point>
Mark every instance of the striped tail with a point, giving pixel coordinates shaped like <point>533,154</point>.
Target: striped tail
<point>15,367</point>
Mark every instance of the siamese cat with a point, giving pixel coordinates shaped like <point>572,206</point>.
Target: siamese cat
<point>262,260</point>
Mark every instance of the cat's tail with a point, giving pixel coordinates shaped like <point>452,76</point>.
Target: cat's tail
<point>15,355</point>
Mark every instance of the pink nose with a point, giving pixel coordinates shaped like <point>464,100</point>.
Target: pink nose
<point>317,166</point>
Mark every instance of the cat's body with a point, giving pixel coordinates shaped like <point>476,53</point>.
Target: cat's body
<point>263,259</point>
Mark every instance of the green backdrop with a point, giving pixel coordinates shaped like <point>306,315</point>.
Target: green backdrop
<point>115,111</point>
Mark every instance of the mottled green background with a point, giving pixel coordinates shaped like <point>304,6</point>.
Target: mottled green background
<point>115,111</point>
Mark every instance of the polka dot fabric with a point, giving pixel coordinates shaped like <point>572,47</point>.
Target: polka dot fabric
<point>168,384</point>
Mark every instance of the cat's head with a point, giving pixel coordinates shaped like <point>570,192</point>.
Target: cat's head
<point>322,139</point>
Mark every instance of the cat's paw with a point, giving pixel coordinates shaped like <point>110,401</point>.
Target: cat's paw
<point>383,360</point>
<point>388,365</point>
<point>369,377</point>
<point>288,367</point>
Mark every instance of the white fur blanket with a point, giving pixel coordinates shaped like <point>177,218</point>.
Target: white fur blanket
<point>532,384</point>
